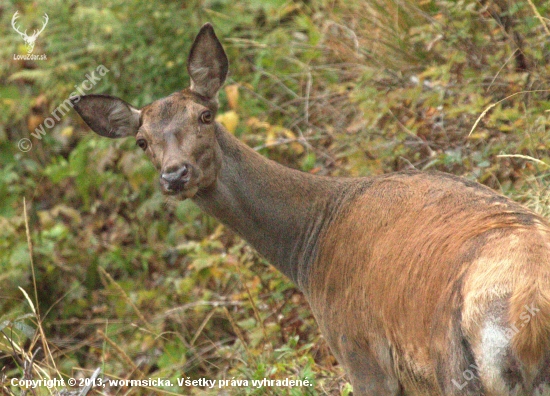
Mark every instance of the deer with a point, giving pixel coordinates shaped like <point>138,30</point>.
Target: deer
<point>29,40</point>
<point>422,283</point>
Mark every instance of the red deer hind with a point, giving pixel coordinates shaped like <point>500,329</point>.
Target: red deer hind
<point>422,283</point>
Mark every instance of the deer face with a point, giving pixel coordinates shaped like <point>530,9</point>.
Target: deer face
<point>178,132</point>
<point>179,135</point>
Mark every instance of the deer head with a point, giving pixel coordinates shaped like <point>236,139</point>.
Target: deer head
<point>178,132</point>
<point>29,40</point>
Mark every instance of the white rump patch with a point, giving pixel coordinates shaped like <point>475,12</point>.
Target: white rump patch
<point>495,342</point>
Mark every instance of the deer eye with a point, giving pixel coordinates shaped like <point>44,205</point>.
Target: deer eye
<point>142,143</point>
<point>206,117</point>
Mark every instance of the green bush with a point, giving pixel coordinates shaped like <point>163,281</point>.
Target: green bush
<point>125,280</point>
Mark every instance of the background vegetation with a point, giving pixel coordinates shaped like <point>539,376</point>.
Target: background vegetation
<point>120,278</point>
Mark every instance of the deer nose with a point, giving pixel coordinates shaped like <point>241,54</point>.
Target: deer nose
<point>176,174</point>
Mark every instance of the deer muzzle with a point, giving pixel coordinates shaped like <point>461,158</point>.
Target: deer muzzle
<point>179,179</point>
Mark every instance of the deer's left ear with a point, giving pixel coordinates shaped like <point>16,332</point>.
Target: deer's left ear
<point>207,63</point>
<point>107,116</point>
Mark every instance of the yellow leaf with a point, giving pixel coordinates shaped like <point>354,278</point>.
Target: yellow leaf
<point>46,219</point>
<point>287,133</point>
<point>232,92</point>
<point>67,212</point>
<point>148,342</point>
<point>519,122</point>
<point>271,138</point>
<point>254,122</point>
<point>229,120</point>
<point>297,147</point>
<point>67,131</point>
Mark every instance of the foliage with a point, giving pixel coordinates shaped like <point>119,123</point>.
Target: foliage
<point>142,287</point>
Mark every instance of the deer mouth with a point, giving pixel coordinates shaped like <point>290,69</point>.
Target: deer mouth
<point>179,191</point>
<point>187,193</point>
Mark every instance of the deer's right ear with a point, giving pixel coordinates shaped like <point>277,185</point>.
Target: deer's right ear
<point>107,116</point>
<point>207,64</point>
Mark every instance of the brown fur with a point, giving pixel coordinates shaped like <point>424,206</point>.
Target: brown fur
<point>428,249</point>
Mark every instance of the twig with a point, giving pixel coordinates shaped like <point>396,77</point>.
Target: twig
<point>526,157</point>
<point>539,17</point>
<point>15,356</point>
<point>201,327</point>
<point>123,354</point>
<point>412,134</point>
<point>29,243</point>
<point>279,142</point>
<point>308,92</point>
<point>185,307</point>
<point>254,307</point>
<point>496,103</point>
<point>87,388</point>
<point>502,67</point>
<point>45,347</point>
<point>126,298</point>
<point>28,367</point>
<point>238,333</point>
<point>27,372</point>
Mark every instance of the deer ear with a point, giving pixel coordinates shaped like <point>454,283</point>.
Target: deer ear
<point>107,116</point>
<point>207,64</point>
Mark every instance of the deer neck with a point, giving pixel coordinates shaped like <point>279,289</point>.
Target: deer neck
<point>281,212</point>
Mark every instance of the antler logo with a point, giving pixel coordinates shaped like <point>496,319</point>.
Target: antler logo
<point>29,40</point>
